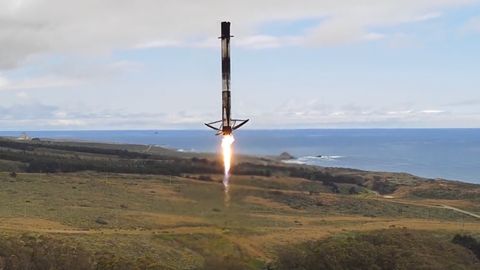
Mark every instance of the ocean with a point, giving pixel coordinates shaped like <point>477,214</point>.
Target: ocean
<point>435,153</point>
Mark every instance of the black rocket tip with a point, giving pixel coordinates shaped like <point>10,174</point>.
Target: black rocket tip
<point>225,29</point>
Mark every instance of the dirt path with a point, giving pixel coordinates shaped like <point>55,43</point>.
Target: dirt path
<point>148,149</point>
<point>431,204</point>
<point>461,211</point>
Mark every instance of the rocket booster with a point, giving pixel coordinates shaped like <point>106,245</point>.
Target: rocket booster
<point>227,124</point>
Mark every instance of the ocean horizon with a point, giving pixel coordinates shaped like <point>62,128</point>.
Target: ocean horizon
<point>447,153</point>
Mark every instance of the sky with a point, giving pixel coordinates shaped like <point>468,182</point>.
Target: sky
<point>155,64</point>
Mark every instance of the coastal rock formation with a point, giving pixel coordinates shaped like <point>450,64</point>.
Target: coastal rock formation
<point>285,156</point>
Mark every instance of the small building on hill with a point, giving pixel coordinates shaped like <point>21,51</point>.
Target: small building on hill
<point>24,137</point>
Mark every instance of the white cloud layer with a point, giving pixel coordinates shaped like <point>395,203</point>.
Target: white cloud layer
<point>36,82</point>
<point>29,27</point>
<point>314,115</point>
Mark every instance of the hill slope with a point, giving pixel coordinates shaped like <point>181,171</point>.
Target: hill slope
<point>168,210</point>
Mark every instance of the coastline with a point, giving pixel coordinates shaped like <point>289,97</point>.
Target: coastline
<point>430,153</point>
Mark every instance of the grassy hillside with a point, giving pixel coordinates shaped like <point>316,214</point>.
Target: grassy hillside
<point>384,249</point>
<point>138,207</point>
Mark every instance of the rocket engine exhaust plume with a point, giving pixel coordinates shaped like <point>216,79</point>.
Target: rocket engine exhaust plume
<point>227,142</point>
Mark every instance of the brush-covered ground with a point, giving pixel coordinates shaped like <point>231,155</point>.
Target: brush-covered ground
<point>73,205</point>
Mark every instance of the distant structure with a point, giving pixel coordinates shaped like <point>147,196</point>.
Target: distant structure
<point>24,137</point>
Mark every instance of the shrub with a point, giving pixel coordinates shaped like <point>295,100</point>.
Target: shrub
<point>469,242</point>
<point>386,249</point>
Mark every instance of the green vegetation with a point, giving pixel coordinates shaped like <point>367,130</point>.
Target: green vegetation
<point>385,249</point>
<point>118,206</point>
<point>41,252</point>
<point>469,242</point>
<point>458,192</point>
<point>54,157</point>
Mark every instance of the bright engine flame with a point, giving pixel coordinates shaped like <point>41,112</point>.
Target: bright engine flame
<point>227,142</point>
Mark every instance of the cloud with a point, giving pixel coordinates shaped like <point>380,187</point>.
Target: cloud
<point>432,111</point>
<point>39,116</point>
<point>259,41</point>
<point>267,41</point>
<point>464,103</point>
<point>373,36</point>
<point>158,44</point>
<point>405,112</point>
<point>67,74</point>
<point>69,123</point>
<point>37,82</point>
<point>3,82</point>
<point>427,17</point>
<point>312,114</point>
<point>472,25</point>
<point>27,112</point>
<point>22,95</point>
<point>315,114</point>
<point>37,27</point>
<point>402,40</point>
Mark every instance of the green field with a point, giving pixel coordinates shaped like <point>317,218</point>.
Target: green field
<point>102,206</point>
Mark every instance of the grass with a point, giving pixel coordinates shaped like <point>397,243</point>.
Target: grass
<point>182,222</point>
<point>382,249</point>
<point>188,222</point>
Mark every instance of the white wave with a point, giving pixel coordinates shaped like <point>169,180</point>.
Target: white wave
<point>312,159</point>
<point>186,150</point>
<point>293,161</point>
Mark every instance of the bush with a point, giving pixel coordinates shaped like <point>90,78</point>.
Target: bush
<point>32,252</point>
<point>205,178</point>
<point>225,262</point>
<point>387,249</point>
<point>469,242</point>
<point>37,252</point>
